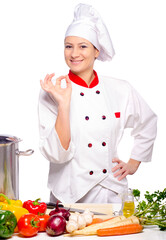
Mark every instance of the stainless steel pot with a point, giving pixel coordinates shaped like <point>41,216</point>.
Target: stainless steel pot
<point>9,165</point>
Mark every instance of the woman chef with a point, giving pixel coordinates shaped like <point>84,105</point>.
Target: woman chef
<point>81,124</point>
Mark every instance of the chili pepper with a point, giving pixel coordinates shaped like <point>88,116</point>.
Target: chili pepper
<point>10,205</point>
<point>35,207</point>
<point>8,223</point>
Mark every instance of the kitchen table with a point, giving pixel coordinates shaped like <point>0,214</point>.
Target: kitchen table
<point>149,233</point>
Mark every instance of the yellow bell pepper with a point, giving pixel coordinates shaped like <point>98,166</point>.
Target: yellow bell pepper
<point>13,206</point>
<point>15,202</point>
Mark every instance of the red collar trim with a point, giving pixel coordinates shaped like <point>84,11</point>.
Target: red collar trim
<point>76,79</point>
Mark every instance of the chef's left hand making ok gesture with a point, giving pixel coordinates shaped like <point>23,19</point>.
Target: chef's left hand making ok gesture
<point>63,97</point>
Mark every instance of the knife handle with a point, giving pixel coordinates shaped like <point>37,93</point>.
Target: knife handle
<point>51,205</point>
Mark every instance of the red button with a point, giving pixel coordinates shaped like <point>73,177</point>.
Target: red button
<point>82,94</point>
<point>117,114</point>
<point>86,118</point>
<point>91,172</point>
<point>90,145</point>
<point>104,170</point>
<point>97,92</point>
<point>103,117</point>
<point>103,144</point>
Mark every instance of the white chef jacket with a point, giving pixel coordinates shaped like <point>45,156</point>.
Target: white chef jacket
<point>98,117</point>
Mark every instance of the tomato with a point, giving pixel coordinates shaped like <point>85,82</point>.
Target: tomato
<point>43,222</point>
<point>28,225</point>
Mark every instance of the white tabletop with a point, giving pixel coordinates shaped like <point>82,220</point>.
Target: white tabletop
<point>147,234</point>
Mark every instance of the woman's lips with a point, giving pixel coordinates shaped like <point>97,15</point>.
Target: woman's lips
<point>76,62</point>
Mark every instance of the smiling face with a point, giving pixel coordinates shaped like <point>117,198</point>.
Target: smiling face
<point>80,55</point>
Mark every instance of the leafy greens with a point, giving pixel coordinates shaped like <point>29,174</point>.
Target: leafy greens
<point>152,210</point>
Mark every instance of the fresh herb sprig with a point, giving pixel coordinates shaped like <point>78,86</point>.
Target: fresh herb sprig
<point>152,210</point>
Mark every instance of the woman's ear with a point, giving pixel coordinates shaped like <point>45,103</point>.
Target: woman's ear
<point>96,53</point>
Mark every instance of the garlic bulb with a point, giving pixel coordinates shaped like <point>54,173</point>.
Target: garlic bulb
<point>81,221</point>
<point>74,216</point>
<point>87,211</point>
<point>88,218</point>
<point>71,226</point>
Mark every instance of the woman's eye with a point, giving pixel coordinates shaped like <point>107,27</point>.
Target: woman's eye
<point>68,46</point>
<point>83,46</point>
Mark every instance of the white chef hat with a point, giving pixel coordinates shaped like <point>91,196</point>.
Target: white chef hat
<point>88,24</point>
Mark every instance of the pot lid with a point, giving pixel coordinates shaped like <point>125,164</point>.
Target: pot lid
<point>7,139</point>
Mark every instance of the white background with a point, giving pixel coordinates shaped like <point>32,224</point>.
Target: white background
<point>31,45</point>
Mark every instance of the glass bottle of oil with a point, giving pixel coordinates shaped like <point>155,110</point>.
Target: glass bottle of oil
<point>128,206</point>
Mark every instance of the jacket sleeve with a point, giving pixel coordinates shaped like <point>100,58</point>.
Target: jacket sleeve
<point>143,122</point>
<point>50,145</point>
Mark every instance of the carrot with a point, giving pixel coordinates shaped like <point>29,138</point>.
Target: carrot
<point>121,230</point>
<point>98,220</point>
<point>114,222</point>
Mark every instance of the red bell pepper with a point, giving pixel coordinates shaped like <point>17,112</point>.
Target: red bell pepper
<point>35,207</point>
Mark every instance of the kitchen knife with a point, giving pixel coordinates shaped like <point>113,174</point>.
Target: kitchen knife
<point>51,205</point>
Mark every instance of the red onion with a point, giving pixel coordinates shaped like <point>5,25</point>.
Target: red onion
<point>60,212</point>
<point>56,225</point>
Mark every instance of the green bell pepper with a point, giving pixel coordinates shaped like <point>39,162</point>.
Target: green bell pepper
<point>8,222</point>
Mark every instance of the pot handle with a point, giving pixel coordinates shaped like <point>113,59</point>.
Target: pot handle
<point>25,153</point>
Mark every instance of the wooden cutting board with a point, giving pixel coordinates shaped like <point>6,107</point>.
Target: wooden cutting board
<point>101,208</point>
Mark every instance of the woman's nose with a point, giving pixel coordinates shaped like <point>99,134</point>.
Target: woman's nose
<point>75,52</point>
